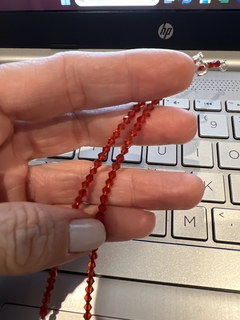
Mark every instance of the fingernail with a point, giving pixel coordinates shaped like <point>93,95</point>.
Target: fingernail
<point>85,235</point>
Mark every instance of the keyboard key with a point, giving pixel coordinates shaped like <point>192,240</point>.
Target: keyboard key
<point>178,103</point>
<point>236,126</point>
<point>213,126</point>
<point>160,226</point>
<point>190,224</point>
<point>162,155</point>
<point>234,181</point>
<point>213,186</point>
<point>233,105</point>
<point>36,162</point>
<point>197,153</point>
<point>133,156</point>
<point>229,155</point>
<point>89,153</point>
<point>66,155</point>
<point>226,225</point>
<point>207,105</point>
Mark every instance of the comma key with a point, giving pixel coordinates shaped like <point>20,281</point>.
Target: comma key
<point>226,225</point>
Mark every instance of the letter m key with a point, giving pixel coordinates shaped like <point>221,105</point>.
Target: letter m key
<point>190,221</point>
<point>190,224</point>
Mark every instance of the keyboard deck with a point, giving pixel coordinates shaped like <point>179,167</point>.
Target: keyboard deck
<point>213,155</point>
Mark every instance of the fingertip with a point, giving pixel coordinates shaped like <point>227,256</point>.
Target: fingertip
<point>195,188</point>
<point>190,125</point>
<point>184,67</point>
<point>123,224</point>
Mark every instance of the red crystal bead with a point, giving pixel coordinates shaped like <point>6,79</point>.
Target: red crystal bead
<point>104,198</point>
<point>89,178</point>
<point>126,119</point>
<point>102,156</point>
<point>90,281</point>
<point>138,106</point>
<point>51,281</point>
<point>112,175</point>
<point>116,134</point>
<point>90,273</point>
<point>87,306</point>
<point>124,150</point>
<point>82,193</point>
<point>45,300</point>
<point>43,312</point>
<point>106,190</point>
<point>93,255</point>
<point>121,126</point>
<point>137,126</point>
<point>106,148</point>
<point>102,207</point>
<point>133,133</point>
<point>131,113</point>
<point>146,112</point>
<point>128,142</point>
<point>120,158</point>
<point>150,107</point>
<point>85,184</point>
<point>91,264</point>
<point>116,166</point>
<point>111,141</point>
<point>89,289</point>
<point>87,298</point>
<point>210,65</point>
<point>78,200</point>
<point>141,119</point>
<point>201,68</point>
<point>87,316</point>
<point>96,164</point>
<point>109,183</point>
<point>53,271</point>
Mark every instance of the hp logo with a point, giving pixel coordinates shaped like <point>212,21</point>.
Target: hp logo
<point>165,31</point>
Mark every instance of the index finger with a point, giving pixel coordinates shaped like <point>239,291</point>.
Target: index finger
<point>44,88</point>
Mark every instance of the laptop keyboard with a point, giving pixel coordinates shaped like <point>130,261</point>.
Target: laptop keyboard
<point>213,155</point>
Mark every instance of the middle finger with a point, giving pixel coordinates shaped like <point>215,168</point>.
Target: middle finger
<point>166,125</point>
<point>146,189</point>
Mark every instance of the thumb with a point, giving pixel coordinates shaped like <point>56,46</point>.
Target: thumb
<point>37,236</point>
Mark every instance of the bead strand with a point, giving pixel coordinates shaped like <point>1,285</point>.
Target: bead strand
<point>120,159</point>
<point>47,294</point>
<point>104,199</point>
<point>102,156</point>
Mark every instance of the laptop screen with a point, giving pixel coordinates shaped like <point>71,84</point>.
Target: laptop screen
<point>120,24</point>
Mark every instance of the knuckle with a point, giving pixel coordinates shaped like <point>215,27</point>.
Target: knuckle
<point>73,84</point>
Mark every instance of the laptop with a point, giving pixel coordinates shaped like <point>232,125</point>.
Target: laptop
<point>188,268</point>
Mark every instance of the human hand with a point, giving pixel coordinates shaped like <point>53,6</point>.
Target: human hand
<point>53,105</point>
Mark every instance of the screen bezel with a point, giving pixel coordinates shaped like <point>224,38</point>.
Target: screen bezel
<point>193,29</point>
